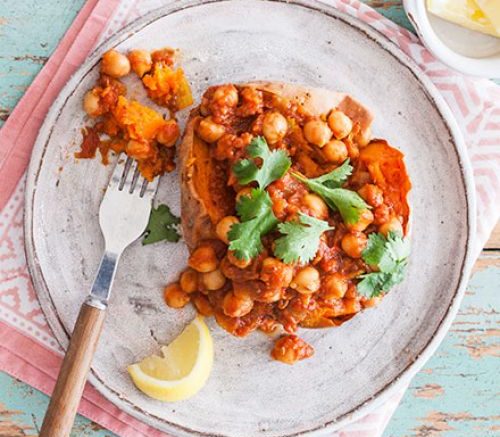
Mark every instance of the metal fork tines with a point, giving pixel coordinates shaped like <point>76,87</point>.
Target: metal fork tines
<point>123,217</point>
<point>126,177</point>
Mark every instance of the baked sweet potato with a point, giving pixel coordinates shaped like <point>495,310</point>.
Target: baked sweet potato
<point>288,208</point>
<point>206,198</point>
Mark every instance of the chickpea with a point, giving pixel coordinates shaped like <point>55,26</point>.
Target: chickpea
<point>140,61</point>
<point>138,149</point>
<point>209,131</point>
<point>189,281</point>
<point>365,218</point>
<point>354,243</point>
<point>316,206</point>
<point>236,306</point>
<point>174,296</point>
<point>372,194</point>
<point>363,137</point>
<point>246,289</point>
<point>334,286</point>
<point>115,64</point>
<point>317,132</point>
<point>240,263</point>
<point>274,127</point>
<point>224,226</point>
<point>168,133</point>
<point>339,123</point>
<point>381,214</point>
<point>203,305</point>
<point>275,272</point>
<point>270,295</point>
<point>247,191</point>
<point>213,280</point>
<point>306,281</point>
<point>227,95</point>
<point>393,225</point>
<point>203,259</point>
<point>335,151</point>
<point>91,104</point>
<point>290,349</point>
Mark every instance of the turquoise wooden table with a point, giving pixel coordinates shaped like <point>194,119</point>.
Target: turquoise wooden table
<point>455,395</point>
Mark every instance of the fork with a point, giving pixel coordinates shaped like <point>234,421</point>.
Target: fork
<point>123,217</point>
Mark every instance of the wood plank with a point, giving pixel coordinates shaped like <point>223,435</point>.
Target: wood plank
<point>494,241</point>
<point>487,260</point>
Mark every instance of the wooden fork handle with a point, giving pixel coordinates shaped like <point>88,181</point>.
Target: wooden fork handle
<point>66,396</point>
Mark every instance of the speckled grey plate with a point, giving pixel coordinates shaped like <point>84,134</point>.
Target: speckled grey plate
<point>356,366</point>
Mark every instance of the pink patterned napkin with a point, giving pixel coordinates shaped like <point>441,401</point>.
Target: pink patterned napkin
<point>29,351</point>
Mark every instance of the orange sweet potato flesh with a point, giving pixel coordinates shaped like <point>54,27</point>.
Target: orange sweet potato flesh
<point>139,121</point>
<point>387,168</point>
<point>205,196</point>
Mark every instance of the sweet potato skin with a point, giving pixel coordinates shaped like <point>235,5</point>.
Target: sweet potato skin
<point>200,212</point>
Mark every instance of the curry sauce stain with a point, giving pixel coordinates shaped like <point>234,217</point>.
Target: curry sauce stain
<point>429,391</point>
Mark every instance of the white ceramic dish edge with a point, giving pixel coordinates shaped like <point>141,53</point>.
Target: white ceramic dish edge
<point>396,385</point>
<point>488,67</point>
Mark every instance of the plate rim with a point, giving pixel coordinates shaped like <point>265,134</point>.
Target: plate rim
<point>432,94</point>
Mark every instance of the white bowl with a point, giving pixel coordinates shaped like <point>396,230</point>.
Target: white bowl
<point>464,50</point>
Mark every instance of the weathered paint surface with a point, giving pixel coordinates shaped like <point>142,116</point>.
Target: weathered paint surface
<point>22,409</point>
<point>455,395</point>
<point>29,32</point>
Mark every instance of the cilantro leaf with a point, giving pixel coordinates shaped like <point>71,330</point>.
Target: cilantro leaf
<point>398,247</point>
<point>347,202</point>
<point>377,254</point>
<point>390,255</point>
<point>275,164</point>
<point>336,178</point>
<point>300,241</point>
<point>162,225</point>
<point>257,219</point>
<point>373,284</point>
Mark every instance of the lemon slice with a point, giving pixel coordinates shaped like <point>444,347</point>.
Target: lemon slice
<point>465,13</point>
<point>184,368</point>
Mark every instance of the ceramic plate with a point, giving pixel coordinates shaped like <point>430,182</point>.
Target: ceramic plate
<point>357,365</point>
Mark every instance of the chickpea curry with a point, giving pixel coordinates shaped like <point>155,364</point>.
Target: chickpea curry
<point>294,215</point>
<point>124,125</point>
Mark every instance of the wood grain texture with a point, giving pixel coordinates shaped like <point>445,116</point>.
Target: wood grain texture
<point>453,396</point>
<point>494,241</point>
<point>68,391</point>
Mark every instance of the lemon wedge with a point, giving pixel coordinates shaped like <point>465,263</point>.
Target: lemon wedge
<point>182,370</point>
<point>465,13</point>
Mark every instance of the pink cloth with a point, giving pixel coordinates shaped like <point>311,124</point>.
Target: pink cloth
<point>29,351</point>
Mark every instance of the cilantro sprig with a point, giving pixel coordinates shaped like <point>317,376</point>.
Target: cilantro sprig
<point>257,219</point>
<point>336,178</point>
<point>347,202</point>
<point>162,225</point>
<point>300,240</point>
<point>275,164</point>
<point>390,255</point>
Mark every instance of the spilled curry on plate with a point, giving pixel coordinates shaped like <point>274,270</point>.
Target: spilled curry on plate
<point>295,217</point>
